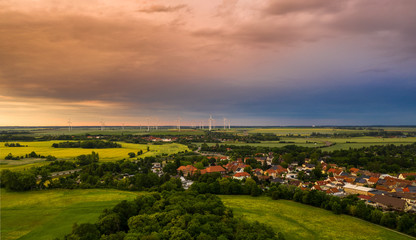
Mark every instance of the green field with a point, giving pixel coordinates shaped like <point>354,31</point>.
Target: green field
<point>114,131</point>
<point>108,154</point>
<point>51,213</point>
<point>299,221</point>
<point>341,143</point>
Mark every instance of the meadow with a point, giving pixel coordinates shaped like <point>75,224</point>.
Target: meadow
<point>51,213</point>
<point>299,221</point>
<point>108,154</point>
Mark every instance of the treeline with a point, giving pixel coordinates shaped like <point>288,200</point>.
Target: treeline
<point>87,144</point>
<point>350,205</point>
<point>14,145</point>
<point>213,183</point>
<point>383,159</point>
<point>32,154</point>
<point>378,133</point>
<point>171,215</point>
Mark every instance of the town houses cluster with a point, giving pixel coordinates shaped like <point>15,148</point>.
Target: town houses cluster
<point>384,191</point>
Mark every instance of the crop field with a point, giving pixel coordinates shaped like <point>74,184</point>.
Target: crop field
<point>341,143</point>
<point>299,221</point>
<point>116,131</point>
<point>51,213</point>
<point>302,131</point>
<point>107,154</point>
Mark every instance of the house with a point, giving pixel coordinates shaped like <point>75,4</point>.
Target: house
<point>403,176</point>
<point>316,187</point>
<point>235,166</point>
<point>214,169</point>
<point>277,180</point>
<point>241,176</point>
<point>187,170</point>
<point>335,171</point>
<point>332,191</point>
<point>372,180</point>
<point>360,181</point>
<point>156,167</point>
<point>389,203</point>
<point>186,183</point>
<point>291,176</point>
<point>354,171</point>
<point>308,166</point>
<point>353,189</point>
<point>364,197</point>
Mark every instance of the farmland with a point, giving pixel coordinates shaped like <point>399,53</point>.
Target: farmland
<point>298,221</point>
<point>109,154</point>
<point>340,143</point>
<point>50,214</point>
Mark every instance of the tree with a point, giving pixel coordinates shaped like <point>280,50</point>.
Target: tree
<point>376,216</point>
<point>84,231</point>
<point>336,208</point>
<point>388,220</point>
<point>131,154</point>
<point>405,223</point>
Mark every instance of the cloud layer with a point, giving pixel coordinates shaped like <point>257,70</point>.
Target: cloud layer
<point>264,62</point>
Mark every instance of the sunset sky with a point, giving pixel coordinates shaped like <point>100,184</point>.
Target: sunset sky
<point>263,62</point>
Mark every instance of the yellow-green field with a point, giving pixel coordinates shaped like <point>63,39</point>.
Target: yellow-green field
<point>111,131</point>
<point>108,154</point>
<point>299,221</point>
<point>49,214</point>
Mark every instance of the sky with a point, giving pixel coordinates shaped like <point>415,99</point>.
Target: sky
<point>263,62</point>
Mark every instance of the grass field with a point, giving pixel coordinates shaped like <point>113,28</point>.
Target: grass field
<point>299,221</point>
<point>49,214</point>
<point>341,143</point>
<point>109,154</point>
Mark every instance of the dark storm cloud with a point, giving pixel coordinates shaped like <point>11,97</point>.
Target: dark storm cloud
<point>269,59</point>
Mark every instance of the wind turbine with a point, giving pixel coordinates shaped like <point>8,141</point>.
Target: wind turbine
<point>148,124</point>
<point>69,125</point>
<point>122,126</point>
<point>179,124</point>
<point>229,124</point>
<point>225,123</point>
<point>210,122</point>
<point>102,125</point>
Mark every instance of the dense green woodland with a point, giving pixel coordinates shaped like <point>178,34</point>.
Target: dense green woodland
<point>383,159</point>
<point>171,215</point>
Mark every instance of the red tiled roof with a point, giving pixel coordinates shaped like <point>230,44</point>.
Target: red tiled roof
<point>332,190</point>
<point>364,197</point>
<point>214,169</point>
<point>242,174</point>
<point>354,170</point>
<point>373,180</point>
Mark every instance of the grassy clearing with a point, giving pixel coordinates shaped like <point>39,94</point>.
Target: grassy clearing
<point>107,154</point>
<point>299,221</point>
<point>51,213</point>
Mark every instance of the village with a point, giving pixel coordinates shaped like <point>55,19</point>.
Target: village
<point>384,191</point>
